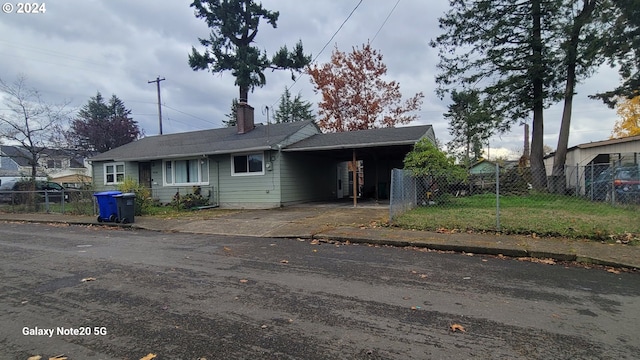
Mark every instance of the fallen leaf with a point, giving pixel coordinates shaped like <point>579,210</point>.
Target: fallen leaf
<point>226,248</point>
<point>88,279</point>
<point>284,261</point>
<point>423,276</point>
<point>613,271</point>
<point>457,327</point>
<point>264,326</point>
<point>37,357</point>
<point>244,281</point>
<point>149,356</point>
<point>58,357</point>
<point>314,242</point>
<point>314,250</point>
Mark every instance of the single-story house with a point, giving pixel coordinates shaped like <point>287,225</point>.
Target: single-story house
<point>259,166</point>
<point>586,161</point>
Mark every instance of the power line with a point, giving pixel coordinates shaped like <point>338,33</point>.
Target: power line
<point>384,22</point>
<point>337,31</point>
<point>325,46</point>
<point>191,115</point>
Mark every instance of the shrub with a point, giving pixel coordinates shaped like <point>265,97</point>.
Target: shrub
<point>143,195</point>
<point>188,201</point>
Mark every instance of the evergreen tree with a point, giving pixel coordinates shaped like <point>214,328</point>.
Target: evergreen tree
<point>101,126</point>
<point>232,117</point>
<point>525,56</point>
<point>234,26</point>
<point>471,123</point>
<point>292,110</point>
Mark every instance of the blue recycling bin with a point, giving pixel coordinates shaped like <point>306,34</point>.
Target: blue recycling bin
<point>107,206</point>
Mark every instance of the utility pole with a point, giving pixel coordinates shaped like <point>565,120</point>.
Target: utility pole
<point>157,81</point>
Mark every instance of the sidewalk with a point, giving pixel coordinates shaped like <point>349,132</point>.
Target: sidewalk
<point>360,226</point>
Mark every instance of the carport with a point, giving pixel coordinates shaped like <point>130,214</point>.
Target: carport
<point>380,150</point>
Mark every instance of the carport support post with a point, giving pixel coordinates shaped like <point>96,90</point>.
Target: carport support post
<point>355,179</point>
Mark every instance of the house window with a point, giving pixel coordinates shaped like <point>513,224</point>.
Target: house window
<point>247,164</point>
<point>54,164</point>
<point>113,173</point>
<point>186,172</point>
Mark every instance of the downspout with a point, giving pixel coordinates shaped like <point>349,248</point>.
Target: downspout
<point>218,182</point>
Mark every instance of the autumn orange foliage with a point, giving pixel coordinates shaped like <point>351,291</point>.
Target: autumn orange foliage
<point>629,124</point>
<point>355,95</point>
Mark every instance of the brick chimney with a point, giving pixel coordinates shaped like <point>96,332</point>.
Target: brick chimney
<point>244,114</point>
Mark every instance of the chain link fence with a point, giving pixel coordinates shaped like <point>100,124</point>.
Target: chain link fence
<point>68,201</point>
<point>506,199</point>
<point>83,202</point>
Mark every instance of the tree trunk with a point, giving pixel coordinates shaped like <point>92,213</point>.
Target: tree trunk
<point>538,172</point>
<point>244,94</point>
<point>559,184</point>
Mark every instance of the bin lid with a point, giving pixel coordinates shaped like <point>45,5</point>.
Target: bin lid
<point>125,195</point>
<point>107,193</point>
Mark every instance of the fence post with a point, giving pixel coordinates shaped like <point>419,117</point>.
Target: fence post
<point>391,197</point>
<point>498,197</point>
<point>577,180</point>
<point>591,184</point>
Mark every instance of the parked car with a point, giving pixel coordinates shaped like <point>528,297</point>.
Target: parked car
<point>624,180</point>
<point>18,192</point>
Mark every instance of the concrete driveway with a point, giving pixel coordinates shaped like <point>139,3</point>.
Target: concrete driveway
<point>302,220</point>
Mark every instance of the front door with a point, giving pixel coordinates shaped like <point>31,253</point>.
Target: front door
<point>144,174</point>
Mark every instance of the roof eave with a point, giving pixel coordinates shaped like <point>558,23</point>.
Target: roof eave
<point>187,155</point>
<point>352,146</point>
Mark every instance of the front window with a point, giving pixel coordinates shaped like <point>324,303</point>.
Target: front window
<point>186,172</point>
<point>113,173</point>
<point>248,164</point>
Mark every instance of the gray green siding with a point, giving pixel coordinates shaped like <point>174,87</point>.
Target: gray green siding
<point>130,170</point>
<point>307,178</point>
<point>252,191</point>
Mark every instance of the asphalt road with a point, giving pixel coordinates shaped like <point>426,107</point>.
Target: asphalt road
<point>184,296</point>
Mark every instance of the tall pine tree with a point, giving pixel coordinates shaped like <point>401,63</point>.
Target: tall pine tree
<point>234,26</point>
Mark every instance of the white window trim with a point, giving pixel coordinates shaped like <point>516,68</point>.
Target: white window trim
<point>115,174</point>
<point>173,175</point>
<point>256,173</point>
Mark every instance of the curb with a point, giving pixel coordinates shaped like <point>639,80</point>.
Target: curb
<point>494,251</point>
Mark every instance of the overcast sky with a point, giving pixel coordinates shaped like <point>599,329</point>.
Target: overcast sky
<point>79,47</point>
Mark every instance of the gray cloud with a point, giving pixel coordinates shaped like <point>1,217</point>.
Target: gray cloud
<point>79,47</point>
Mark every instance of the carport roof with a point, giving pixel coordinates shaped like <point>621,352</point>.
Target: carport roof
<point>384,137</point>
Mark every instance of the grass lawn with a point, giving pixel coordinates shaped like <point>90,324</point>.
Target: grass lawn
<point>544,215</point>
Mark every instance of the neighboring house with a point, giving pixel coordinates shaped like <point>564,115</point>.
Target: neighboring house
<point>15,162</point>
<point>259,166</point>
<point>63,166</point>
<point>483,167</point>
<point>66,167</point>
<point>586,161</point>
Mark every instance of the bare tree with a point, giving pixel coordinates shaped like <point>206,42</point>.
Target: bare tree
<point>27,120</point>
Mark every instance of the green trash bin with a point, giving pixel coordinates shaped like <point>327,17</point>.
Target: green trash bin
<point>126,205</point>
